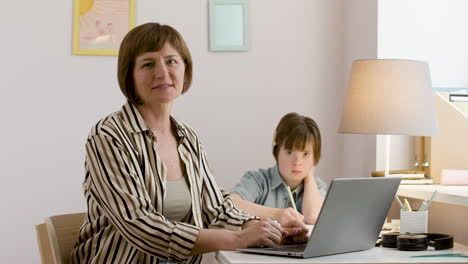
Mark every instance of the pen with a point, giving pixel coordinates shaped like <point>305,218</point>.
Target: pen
<point>399,202</point>
<point>432,198</point>
<point>423,206</point>
<point>408,206</point>
<point>293,203</point>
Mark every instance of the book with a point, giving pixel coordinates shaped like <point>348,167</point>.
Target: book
<point>417,182</point>
<point>454,177</point>
<point>404,174</point>
<point>408,176</point>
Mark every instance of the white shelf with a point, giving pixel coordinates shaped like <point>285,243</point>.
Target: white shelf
<point>457,195</point>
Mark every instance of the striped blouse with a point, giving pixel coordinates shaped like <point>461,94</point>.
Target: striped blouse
<point>125,187</point>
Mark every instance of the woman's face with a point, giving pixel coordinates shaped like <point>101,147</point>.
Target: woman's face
<point>159,76</point>
<point>295,165</point>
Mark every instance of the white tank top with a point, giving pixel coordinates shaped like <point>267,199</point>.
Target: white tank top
<point>178,201</point>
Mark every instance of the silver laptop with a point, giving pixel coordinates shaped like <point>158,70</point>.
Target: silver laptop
<point>351,218</point>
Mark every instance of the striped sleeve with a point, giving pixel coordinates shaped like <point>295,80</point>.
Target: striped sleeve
<point>218,207</point>
<point>117,185</point>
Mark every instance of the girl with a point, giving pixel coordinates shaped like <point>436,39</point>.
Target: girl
<point>296,148</point>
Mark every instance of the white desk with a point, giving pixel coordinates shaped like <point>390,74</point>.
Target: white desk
<point>378,255</point>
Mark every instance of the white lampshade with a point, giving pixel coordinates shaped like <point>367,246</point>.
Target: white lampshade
<point>390,97</point>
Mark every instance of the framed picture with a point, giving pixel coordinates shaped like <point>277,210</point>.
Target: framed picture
<point>228,25</point>
<point>100,25</point>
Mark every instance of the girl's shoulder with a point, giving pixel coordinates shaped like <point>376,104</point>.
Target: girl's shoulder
<point>262,175</point>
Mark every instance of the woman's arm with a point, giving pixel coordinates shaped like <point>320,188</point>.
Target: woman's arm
<point>255,233</point>
<point>282,215</point>
<point>312,202</point>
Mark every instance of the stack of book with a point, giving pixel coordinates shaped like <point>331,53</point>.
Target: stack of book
<point>407,176</point>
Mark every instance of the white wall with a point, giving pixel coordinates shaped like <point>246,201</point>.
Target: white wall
<point>51,99</point>
<point>360,43</point>
<point>402,153</point>
<point>435,31</point>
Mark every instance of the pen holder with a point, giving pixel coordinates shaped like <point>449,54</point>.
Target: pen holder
<point>413,222</point>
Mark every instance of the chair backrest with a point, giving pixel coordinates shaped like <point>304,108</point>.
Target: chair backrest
<point>62,233</point>
<point>44,244</point>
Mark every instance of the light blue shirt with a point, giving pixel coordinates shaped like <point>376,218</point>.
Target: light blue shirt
<point>266,187</point>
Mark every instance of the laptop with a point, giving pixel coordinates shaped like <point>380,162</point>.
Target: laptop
<point>350,220</point>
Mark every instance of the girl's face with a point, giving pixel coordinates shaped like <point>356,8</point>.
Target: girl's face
<point>295,165</point>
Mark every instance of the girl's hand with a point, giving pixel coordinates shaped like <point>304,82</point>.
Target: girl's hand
<point>286,215</point>
<point>310,176</point>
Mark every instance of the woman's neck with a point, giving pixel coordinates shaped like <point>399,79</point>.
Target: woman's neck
<point>158,118</point>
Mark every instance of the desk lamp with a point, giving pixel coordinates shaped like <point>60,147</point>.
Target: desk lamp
<point>389,97</point>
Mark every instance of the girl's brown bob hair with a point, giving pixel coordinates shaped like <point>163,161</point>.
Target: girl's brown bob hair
<point>149,37</point>
<point>295,132</point>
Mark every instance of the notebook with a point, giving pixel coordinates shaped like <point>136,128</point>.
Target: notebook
<point>350,220</point>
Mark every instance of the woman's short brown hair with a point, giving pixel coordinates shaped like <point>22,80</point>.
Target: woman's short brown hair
<point>295,132</point>
<point>149,37</point>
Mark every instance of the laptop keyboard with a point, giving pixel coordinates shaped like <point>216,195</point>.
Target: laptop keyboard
<point>293,248</point>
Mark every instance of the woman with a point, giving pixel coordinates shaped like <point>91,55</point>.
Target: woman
<point>149,190</point>
<point>296,150</point>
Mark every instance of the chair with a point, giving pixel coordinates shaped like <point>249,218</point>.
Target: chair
<point>57,236</point>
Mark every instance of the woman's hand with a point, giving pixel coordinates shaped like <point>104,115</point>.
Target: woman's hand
<point>296,232</point>
<point>264,233</point>
<point>286,215</point>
